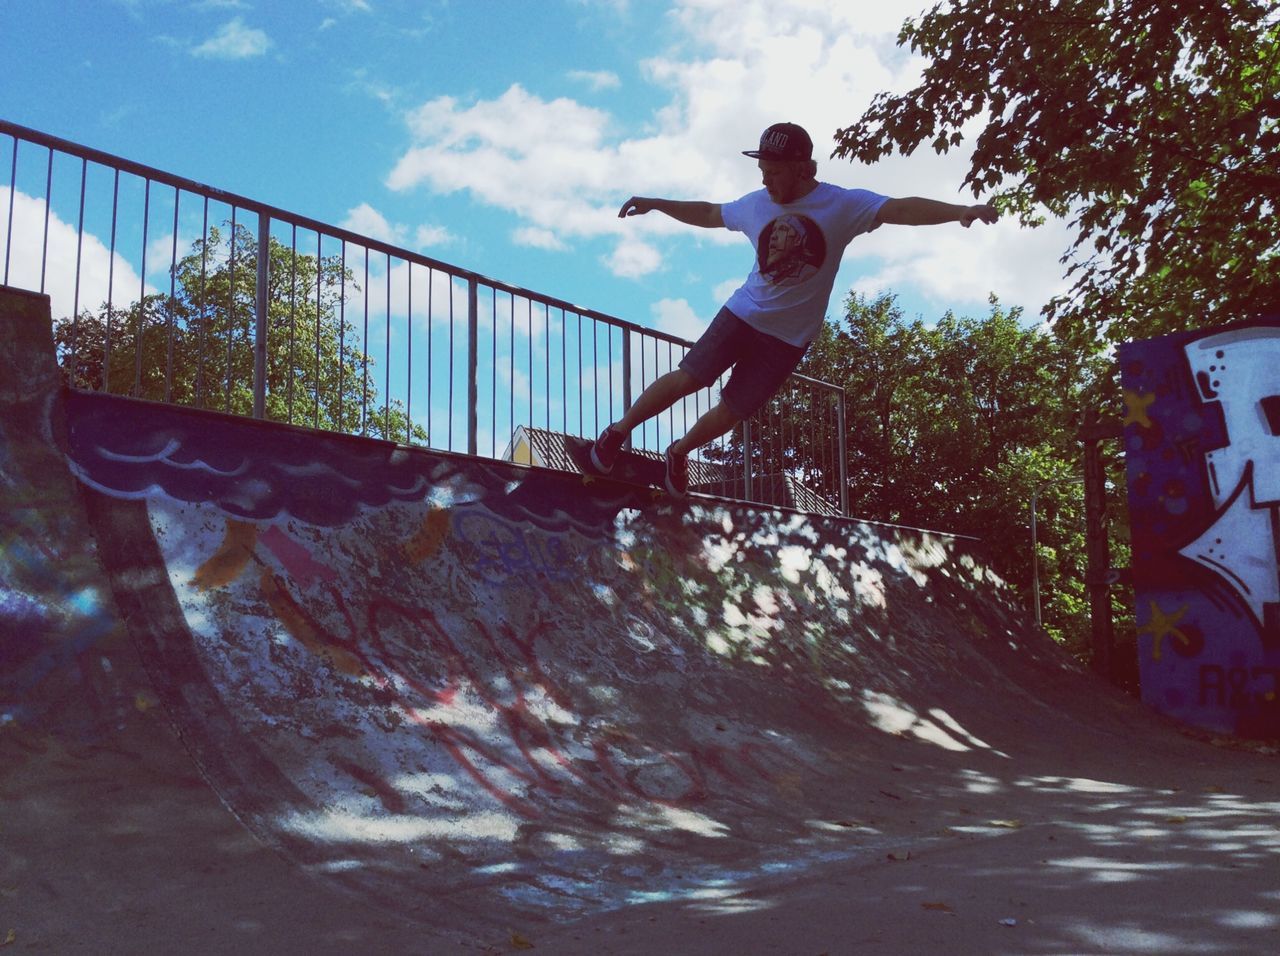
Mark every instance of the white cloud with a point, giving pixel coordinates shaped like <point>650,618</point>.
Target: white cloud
<point>517,151</point>
<point>549,162</point>
<point>537,238</point>
<point>949,263</point>
<point>234,41</point>
<point>367,221</point>
<point>677,317</point>
<point>427,236</point>
<point>99,271</point>
<point>562,167</point>
<point>727,288</point>
<point>597,80</point>
<point>633,259</point>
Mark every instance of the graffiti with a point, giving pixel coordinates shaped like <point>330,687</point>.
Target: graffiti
<point>1202,436</point>
<point>1238,687</point>
<point>294,546</point>
<point>545,747</point>
<point>1239,371</point>
<point>235,552</point>
<point>506,555</point>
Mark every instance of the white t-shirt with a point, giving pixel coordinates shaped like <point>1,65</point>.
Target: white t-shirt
<point>798,251</point>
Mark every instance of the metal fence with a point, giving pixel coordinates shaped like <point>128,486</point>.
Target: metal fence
<point>166,289</point>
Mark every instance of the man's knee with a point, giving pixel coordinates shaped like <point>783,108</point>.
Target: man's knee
<point>682,382</point>
<point>724,411</point>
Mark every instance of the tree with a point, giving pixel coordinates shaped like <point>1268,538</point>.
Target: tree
<point>1154,126</point>
<point>196,346</point>
<point>875,356</point>
<point>955,426</point>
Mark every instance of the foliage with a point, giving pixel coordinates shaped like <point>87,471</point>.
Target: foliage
<point>196,346</point>
<point>956,426</point>
<point>1154,126</point>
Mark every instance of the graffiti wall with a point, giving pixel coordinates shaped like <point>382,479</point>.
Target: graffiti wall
<point>1202,443</point>
<point>411,671</point>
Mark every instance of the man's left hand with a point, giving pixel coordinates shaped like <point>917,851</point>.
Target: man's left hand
<point>984,211</point>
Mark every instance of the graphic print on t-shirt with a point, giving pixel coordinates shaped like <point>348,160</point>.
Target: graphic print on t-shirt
<point>790,250</point>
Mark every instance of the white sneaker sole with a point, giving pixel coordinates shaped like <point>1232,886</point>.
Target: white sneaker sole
<point>671,489</point>
<point>596,464</point>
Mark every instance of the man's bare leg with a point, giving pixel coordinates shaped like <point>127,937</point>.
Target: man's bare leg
<point>709,427</point>
<point>661,394</point>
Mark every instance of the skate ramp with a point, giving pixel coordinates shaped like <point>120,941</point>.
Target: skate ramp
<point>463,687</point>
<point>479,695</point>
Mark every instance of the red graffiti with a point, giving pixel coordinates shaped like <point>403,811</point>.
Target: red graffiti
<point>533,754</point>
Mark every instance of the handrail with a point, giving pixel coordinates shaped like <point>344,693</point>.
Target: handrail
<point>614,356</point>
<point>306,222</point>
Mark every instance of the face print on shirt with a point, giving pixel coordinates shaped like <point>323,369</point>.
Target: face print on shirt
<point>790,250</point>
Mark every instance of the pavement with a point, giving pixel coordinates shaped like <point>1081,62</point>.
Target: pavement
<point>264,690</point>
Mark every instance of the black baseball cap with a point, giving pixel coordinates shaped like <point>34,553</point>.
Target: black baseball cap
<point>783,141</point>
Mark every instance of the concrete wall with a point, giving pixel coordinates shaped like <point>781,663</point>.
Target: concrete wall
<point>463,688</point>
<point>1202,445</point>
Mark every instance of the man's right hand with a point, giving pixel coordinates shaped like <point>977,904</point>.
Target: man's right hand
<point>704,214</point>
<point>635,206</point>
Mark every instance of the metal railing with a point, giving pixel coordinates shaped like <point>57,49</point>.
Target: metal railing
<point>166,289</point>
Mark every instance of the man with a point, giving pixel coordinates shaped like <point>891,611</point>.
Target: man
<point>800,228</point>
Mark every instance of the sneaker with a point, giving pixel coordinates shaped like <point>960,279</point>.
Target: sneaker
<point>605,450</point>
<point>677,476</point>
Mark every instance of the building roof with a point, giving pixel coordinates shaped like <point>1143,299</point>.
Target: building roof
<point>546,449</point>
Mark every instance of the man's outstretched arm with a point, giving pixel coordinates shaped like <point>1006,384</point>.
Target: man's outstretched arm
<point>705,214</point>
<point>914,211</point>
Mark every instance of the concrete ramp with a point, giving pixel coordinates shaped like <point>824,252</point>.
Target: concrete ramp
<point>488,700</point>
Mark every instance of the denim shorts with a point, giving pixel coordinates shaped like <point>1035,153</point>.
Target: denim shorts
<point>760,362</point>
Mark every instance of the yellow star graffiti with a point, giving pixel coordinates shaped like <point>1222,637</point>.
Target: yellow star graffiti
<point>1136,406</point>
<point>1164,625</point>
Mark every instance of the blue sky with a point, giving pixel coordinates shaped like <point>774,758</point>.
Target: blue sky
<point>503,135</point>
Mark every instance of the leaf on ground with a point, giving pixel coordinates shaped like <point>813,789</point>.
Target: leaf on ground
<point>10,938</point>
<point>519,942</point>
<point>899,856</point>
<point>1175,819</point>
<point>1007,824</point>
<point>938,907</point>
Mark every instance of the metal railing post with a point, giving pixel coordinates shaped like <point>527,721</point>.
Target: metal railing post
<point>842,445</point>
<point>1035,541</point>
<point>473,361</point>
<point>1035,558</point>
<point>1098,554</point>
<point>261,307</point>
<point>748,490</point>
<point>626,371</point>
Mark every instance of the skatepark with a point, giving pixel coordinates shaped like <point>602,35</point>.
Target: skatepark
<point>273,690</point>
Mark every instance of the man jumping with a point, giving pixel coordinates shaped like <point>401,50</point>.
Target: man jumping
<point>800,228</point>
